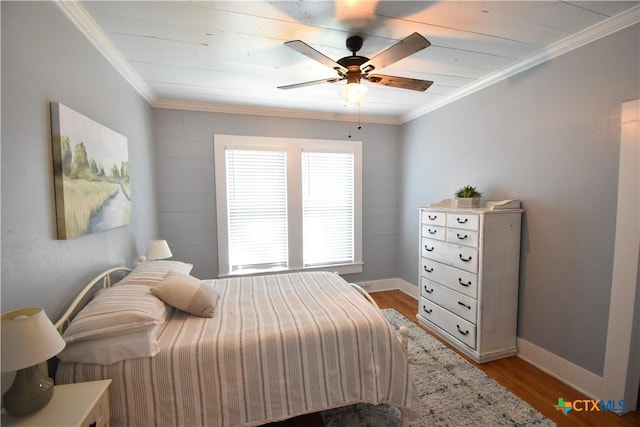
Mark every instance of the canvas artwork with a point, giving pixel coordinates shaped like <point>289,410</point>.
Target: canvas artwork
<point>91,174</point>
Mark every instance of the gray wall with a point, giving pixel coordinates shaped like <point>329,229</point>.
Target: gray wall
<point>186,187</point>
<point>551,137</point>
<point>44,59</point>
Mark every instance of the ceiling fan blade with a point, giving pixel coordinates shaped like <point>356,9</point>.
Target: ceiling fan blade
<point>313,82</point>
<point>305,49</point>
<point>405,47</point>
<point>400,82</point>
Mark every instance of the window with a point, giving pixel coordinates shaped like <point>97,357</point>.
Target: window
<point>256,209</point>
<point>327,208</point>
<point>288,204</point>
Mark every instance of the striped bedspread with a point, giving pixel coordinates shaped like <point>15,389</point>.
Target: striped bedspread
<point>277,347</point>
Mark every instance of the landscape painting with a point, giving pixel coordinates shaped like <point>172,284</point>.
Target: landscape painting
<point>91,174</point>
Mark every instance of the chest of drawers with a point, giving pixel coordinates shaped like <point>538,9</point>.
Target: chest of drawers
<point>469,271</point>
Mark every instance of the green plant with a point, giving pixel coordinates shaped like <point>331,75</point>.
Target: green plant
<point>468,191</point>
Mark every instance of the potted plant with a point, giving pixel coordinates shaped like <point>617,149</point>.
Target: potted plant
<point>468,197</point>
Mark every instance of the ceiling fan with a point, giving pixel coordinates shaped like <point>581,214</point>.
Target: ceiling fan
<point>354,68</point>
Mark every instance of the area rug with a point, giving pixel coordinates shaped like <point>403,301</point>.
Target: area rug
<point>452,391</point>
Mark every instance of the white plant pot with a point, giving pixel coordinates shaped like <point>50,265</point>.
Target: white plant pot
<point>468,202</point>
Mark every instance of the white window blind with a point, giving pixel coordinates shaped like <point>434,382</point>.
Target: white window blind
<point>327,208</point>
<point>256,209</point>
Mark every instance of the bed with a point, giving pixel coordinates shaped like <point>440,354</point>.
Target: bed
<point>277,347</point>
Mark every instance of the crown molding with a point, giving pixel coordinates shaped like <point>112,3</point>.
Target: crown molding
<point>273,112</point>
<point>88,27</point>
<point>595,32</point>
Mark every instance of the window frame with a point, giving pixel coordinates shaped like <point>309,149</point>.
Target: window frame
<point>293,148</point>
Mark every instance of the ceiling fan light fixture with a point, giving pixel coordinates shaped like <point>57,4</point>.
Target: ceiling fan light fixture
<point>353,94</point>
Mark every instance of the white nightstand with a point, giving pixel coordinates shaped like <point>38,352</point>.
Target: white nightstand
<point>72,405</point>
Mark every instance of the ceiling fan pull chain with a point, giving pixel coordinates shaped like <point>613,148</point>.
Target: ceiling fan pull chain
<point>359,123</point>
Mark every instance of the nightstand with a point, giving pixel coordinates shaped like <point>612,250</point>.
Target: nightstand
<point>72,405</point>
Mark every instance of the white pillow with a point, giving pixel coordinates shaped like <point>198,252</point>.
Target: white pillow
<point>116,311</point>
<point>112,349</point>
<point>150,273</point>
<point>187,293</point>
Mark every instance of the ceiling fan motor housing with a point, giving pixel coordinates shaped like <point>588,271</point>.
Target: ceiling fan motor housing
<point>352,64</point>
<point>354,44</point>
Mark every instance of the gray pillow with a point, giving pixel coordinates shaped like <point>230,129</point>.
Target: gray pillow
<point>151,272</point>
<point>187,293</point>
<point>116,311</point>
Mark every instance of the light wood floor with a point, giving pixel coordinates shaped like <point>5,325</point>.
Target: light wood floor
<point>524,380</point>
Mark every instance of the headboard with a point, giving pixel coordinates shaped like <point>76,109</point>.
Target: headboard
<point>102,280</point>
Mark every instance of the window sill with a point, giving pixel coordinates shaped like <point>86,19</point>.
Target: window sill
<point>337,268</point>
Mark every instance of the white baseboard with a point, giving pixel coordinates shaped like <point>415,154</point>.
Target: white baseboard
<point>393,284</point>
<point>573,375</point>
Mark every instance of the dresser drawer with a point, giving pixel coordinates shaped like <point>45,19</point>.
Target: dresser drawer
<point>453,301</point>
<point>433,218</point>
<point>433,232</point>
<point>451,277</point>
<point>462,237</point>
<point>462,257</point>
<point>463,221</point>
<point>431,248</point>
<point>452,324</point>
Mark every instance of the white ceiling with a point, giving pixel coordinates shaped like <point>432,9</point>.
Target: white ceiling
<point>230,56</point>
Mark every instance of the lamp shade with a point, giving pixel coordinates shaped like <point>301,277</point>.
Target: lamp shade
<point>158,249</point>
<point>28,338</point>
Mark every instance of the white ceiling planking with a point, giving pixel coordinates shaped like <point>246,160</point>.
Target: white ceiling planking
<point>170,52</point>
<point>452,57</point>
<point>526,21</point>
<point>217,53</point>
<point>468,19</point>
<point>447,38</point>
<point>606,8</point>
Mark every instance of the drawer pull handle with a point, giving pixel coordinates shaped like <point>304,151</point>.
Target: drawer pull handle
<point>432,217</point>
<point>426,310</point>
<point>430,231</point>
<point>465,259</point>
<point>464,305</point>
<point>428,270</point>
<point>462,221</point>
<point>461,237</point>
<point>426,248</point>
<point>461,331</point>
<point>464,284</point>
<point>429,291</point>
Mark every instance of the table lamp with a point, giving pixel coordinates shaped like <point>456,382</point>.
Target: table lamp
<point>158,249</point>
<point>28,339</point>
